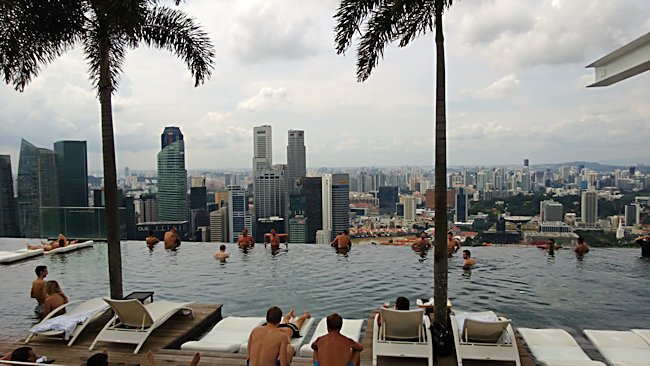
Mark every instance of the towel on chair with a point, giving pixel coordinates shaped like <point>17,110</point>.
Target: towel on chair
<point>65,323</point>
<point>485,316</point>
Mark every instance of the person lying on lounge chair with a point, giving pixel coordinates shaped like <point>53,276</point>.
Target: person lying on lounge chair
<point>293,329</point>
<point>60,242</point>
<point>335,349</point>
<point>24,354</point>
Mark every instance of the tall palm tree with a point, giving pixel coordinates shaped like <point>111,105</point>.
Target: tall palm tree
<point>380,22</point>
<point>36,32</point>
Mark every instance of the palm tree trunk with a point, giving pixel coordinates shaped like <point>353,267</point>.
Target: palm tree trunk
<point>440,221</point>
<point>110,176</point>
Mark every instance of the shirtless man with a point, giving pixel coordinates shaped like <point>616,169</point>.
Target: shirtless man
<point>39,291</point>
<point>171,239</point>
<point>60,242</point>
<point>274,239</point>
<point>245,241</point>
<point>551,246</point>
<point>335,349</point>
<point>221,254</point>
<point>268,345</point>
<point>453,244</point>
<point>422,243</point>
<point>581,247</point>
<point>342,241</point>
<point>468,261</point>
<point>151,240</point>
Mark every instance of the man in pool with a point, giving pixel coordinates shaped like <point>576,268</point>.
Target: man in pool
<point>581,247</point>
<point>268,345</point>
<point>151,240</point>
<point>453,244</point>
<point>551,246</point>
<point>422,243</point>
<point>39,291</point>
<point>274,239</point>
<point>171,239</point>
<point>245,241</point>
<point>335,349</point>
<point>468,261</point>
<point>221,255</point>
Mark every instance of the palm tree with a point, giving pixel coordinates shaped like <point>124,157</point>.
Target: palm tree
<point>380,22</point>
<point>36,32</point>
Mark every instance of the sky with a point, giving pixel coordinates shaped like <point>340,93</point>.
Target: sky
<point>516,88</point>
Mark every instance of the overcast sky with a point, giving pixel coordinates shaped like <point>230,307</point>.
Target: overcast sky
<point>516,82</point>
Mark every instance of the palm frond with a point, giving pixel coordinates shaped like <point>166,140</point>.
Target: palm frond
<point>34,33</point>
<point>350,15</point>
<point>115,46</point>
<point>172,30</point>
<point>417,19</point>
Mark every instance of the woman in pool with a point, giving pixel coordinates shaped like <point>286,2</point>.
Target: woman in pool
<point>55,298</point>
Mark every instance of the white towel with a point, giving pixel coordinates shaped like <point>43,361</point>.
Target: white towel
<point>486,316</point>
<point>65,323</point>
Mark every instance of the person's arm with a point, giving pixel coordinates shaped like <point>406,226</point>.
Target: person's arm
<point>250,345</point>
<point>314,346</point>
<point>47,307</point>
<point>283,351</point>
<point>356,346</point>
<point>266,236</point>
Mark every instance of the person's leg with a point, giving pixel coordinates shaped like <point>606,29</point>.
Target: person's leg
<point>196,359</point>
<point>355,358</point>
<point>287,318</point>
<point>301,319</point>
<point>34,247</point>
<point>290,351</point>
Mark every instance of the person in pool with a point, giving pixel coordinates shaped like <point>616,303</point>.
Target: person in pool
<point>151,240</point>
<point>274,239</point>
<point>245,241</point>
<point>268,344</point>
<point>422,243</point>
<point>453,244</point>
<point>468,261</point>
<point>221,255</point>
<point>581,247</point>
<point>335,349</point>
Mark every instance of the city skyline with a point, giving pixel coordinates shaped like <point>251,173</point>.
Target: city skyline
<point>516,89</point>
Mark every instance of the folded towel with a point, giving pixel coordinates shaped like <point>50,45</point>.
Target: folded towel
<point>66,323</point>
<point>485,316</point>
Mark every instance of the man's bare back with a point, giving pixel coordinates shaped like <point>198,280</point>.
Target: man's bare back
<point>267,344</point>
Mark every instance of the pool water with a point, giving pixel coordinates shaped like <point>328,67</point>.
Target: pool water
<point>607,289</point>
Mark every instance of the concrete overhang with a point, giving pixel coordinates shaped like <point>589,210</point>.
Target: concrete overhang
<point>625,62</point>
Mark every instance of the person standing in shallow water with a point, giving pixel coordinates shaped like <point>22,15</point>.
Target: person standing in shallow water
<point>151,240</point>
<point>221,255</point>
<point>171,239</point>
<point>581,247</point>
<point>274,240</point>
<point>39,291</point>
<point>245,241</point>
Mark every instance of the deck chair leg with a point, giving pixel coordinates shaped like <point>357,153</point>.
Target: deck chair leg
<point>29,338</point>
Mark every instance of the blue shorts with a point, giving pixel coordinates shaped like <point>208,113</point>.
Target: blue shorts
<point>316,363</point>
<point>277,362</point>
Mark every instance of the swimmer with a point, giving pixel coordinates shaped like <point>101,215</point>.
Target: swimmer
<point>274,239</point>
<point>151,240</point>
<point>342,241</point>
<point>422,243</point>
<point>221,254</point>
<point>468,261</point>
<point>245,241</point>
<point>171,239</point>
<point>581,247</point>
<point>453,244</point>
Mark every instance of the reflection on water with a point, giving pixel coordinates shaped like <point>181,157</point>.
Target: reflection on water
<point>606,289</point>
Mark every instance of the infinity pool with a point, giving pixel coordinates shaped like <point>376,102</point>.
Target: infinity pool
<point>607,289</point>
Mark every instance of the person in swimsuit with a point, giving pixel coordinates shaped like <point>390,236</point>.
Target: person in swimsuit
<point>293,329</point>
<point>335,349</point>
<point>245,241</point>
<point>468,261</point>
<point>151,240</point>
<point>39,290</point>
<point>268,345</point>
<point>274,239</point>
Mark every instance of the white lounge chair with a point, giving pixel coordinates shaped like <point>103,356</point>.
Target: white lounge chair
<point>16,255</point>
<point>133,322</point>
<point>403,333</point>
<point>555,347</point>
<point>351,328</point>
<point>483,336</point>
<point>295,342</point>
<point>70,247</point>
<point>69,325</point>
<point>620,347</point>
<point>226,336</point>
<point>643,333</point>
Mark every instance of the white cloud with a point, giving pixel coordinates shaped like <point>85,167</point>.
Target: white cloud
<point>479,131</point>
<point>267,97</point>
<point>498,89</point>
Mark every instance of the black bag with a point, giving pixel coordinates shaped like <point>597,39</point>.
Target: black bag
<point>443,340</point>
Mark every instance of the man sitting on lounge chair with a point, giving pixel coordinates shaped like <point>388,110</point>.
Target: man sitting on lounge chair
<point>268,344</point>
<point>335,349</point>
<point>401,303</point>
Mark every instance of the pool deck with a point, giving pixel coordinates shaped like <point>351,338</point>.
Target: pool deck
<point>179,328</point>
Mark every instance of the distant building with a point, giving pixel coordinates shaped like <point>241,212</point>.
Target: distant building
<point>388,196</point>
<point>296,159</point>
<point>409,208</point>
<point>311,189</point>
<point>340,204</point>
<point>238,216</point>
<point>264,225</point>
<point>323,237</point>
<point>262,148</point>
<point>219,225</point>
<point>148,208</point>
<point>326,195</point>
<point>298,229</point>
<point>38,186</point>
<point>632,214</point>
<point>198,198</point>
<point>8,209</point>
<point>550,210</point>
<point>589,207</point>
<point>172,177</point>
<point>72,166</point>
<point>461,205</point>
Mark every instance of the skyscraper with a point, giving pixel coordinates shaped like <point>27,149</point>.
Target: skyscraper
<point>311,188</point>
<point>525,177</point>
<point>73,173</point>
<point>409,208</point>
<point>269,194</point>
<point>38,186</point>
<point>172,177</point>
<point>589,207</point>
<point>388,197</point>
<point>238,216</point>
<point>327,205</point>
<point>550,210</point>
<point>461,204</point>
<point>8,211</point>
<point>340,204</point>
<point>219,225</point>
<point>262,148</point>
<point>296,161</point>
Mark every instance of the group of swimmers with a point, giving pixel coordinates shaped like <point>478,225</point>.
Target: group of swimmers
<point>581,248</point>
<point>60,242</point>
<point>48,294</point>
<point>171,239</point>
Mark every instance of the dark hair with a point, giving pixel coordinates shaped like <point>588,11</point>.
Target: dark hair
<point>98,359</point>
<point>581,240</point>
<point>222,247</point>
<point>62,242</point>
<point>40,269</point>
<point>402,303</point>
<point>150,234</point>
<point>345,232</point>
<point>552,240</point>
<point>274,315</point>
<point>334,322</point>
<point>21,354</point>
<point>450,233</point>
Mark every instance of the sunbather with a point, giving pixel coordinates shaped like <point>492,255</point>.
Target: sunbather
<point>335,349</point>
<point>293,329</point>
<point>60,242</point>
<point>39,291</point>
<point>55,298</point>
<point>401,303</point>
<point>22,354</point>
<point>268,344</point>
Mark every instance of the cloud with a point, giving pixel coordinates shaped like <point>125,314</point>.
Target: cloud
<point>272,31</point>
<point>479,131</point>
<point>267,97</point>
<point>498,89</point>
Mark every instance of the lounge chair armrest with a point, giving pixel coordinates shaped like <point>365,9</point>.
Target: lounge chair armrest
<point>427,321</point>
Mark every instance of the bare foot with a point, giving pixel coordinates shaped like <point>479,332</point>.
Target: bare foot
<point>292,313</point>
<point>307,315</point>
<point>195,359</point>
<point>150,359</point>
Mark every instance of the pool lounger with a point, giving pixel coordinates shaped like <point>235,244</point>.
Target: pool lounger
<point>295,342</point>
<point>351,328</point>
<point>70,247</point>
<point>555,347</point>
<point>226,336</point>
<point>16,255</point>
<point>620,347</point>
<point>643,333</point>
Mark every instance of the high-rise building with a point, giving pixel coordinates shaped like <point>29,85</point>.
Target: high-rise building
<point>298,229</point>
<point>238,216</point>
<point>8,210</point>
<point>296,160</point>
<point>326,206</point>
<point>72,166</point>
<point>340,204</point>
<point>409,208</point>
<point>550,210</point>
<point>589,207</point>
<point>262,148</point>
<point>198,198</point>
<point>172,177</point>
<point>269,194</point>
<point>632,214</point>
<point>219,225</point>
<point>525,177</point>
<point>38,186</point>
<point>311,189</point>
<point>388,197</point>
<point>461,204</point>
<point>148,208</point>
